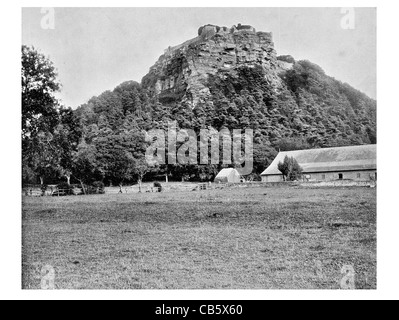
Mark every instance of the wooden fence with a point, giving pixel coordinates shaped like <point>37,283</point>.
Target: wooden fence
<point>51,192</point>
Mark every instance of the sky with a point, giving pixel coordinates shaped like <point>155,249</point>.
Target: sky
<point>96,49</point>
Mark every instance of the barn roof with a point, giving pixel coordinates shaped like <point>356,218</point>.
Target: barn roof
<point>329,159</point>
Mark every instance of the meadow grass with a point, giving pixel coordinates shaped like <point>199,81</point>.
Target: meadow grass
<point>234,238</point>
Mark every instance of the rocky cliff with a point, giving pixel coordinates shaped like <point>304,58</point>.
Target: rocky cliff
<point>182,72</point>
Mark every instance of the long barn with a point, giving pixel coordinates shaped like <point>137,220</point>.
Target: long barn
<point>358,163</point>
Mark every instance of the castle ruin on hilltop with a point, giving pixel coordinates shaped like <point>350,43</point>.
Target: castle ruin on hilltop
<point>208,31</point>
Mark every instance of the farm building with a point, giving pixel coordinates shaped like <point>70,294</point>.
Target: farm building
<point>358,163</point>
<point>228,176</point>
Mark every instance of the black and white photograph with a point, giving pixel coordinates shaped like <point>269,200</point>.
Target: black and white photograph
<point>242,157</point>
<point>199,149</point>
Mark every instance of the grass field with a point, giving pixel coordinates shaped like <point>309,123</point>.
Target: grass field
<point>239,238</point>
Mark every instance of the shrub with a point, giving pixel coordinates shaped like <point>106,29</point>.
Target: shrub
<point>96,187</point>
<point>290,169</point>
<point>98,184</point>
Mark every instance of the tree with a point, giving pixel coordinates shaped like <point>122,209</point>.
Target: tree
<point>121,155</point>
<point>39,83</point>
<point>139,145</point>
<point>39,114</point>
<point>67,136</point>
<point>140,169</point>
<point>290,169</point>
<point>44,157</point>
<point>85,166</point>
<point>119,165</point>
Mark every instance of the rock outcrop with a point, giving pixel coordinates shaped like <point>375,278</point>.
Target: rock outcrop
<point>182,72</point>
